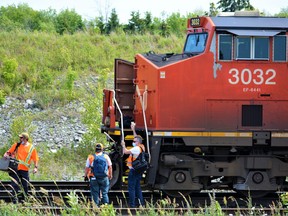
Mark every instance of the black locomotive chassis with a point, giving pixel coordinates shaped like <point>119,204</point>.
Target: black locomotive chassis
<point>177,166</point>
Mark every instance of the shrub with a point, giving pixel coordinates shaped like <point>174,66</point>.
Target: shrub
<point>20,124</point>
<point>70,78</point>
<point>9,72</point>
<point>2,97</point>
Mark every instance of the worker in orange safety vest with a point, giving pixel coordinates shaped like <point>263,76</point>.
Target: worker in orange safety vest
<point>25,153</point>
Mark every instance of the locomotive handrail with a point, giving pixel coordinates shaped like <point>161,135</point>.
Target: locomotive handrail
<point>122,130</point>
<point>145,122</point>
<point>109,137</point>
<point>144,106</point>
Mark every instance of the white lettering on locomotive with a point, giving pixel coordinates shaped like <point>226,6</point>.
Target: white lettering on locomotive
<point>251,89</point>
<point>257,77</point>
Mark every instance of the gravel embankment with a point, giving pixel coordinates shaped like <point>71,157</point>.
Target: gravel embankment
<point>60,127</point>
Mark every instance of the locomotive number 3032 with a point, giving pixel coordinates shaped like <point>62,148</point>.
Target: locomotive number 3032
<point>257,77</point>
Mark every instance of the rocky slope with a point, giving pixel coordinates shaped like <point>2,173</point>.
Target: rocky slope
<point>56,127</point>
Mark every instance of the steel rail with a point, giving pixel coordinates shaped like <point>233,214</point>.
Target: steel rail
<point>47,191</point>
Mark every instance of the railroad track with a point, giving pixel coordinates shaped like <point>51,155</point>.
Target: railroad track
<point>55,190</point>
<point>47,189</point>
<point>51,195</point>
<point>164,210</point>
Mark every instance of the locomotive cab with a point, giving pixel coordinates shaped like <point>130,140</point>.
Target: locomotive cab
<point>213,116</point>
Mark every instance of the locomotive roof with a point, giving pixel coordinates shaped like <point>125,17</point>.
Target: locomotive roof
<point>258,22</point>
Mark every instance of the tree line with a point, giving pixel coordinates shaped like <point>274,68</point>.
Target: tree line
<point>68,21</point>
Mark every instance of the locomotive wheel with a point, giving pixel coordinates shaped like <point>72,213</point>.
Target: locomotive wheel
<point>116,174</point>
<point>177,193</point>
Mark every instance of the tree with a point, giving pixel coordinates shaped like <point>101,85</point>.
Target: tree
<point>161,27</point>
<point>148,22</point>
<point>68,21</point>
<point>176,23</point>
<point>135,24</point>
<point>48,20</point>
<point>100,24</point>
<point>283,13</point>
<point>212,10</point>
<point>234,5</point>
<point>113,22</point>
<point>21,16</point>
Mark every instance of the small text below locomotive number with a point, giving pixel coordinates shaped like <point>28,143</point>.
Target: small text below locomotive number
<point>251,89</point>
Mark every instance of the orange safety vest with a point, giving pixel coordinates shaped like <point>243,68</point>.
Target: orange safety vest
<point>24,154</point>
<point>132,158</point>
<point>91,159</point>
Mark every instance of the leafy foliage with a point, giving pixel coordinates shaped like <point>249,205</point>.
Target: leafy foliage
<point>20,124</point>
<point>59,58</point>
<point>92,116</point>
<point>68,21</point>
<point>70,78</point>
<point>135,23</point>
<point>113,23</point>
<point>9,71</point>
<point>22,17</point>
<point>234,5</point>
<point>212,10</point>
<point>2,97</point>
<point>283,13</point>
<point>177,23</point>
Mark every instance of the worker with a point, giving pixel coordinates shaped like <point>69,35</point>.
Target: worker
<point>134,178</point>
<point>98,171</point>
<point>25,153</point>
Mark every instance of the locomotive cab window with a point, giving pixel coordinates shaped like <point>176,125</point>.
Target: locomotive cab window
<point>252,48</point>
<point>246,47</point>
<point>243,50</point>
<point>225,47</point>
<point>279,48</point>
<point>195,43</point>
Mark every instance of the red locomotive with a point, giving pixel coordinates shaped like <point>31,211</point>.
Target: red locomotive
<point>214,115</point>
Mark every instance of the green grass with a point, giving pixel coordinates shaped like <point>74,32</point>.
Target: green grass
<point>75,204</point>
<point>65,164</point>
<point>46,67</point>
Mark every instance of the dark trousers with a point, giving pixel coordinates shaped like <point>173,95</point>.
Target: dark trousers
<point>97,185</point>
<point>20,180</point>
<point>134,189</point>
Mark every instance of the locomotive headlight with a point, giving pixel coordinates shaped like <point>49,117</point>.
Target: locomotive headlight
<point>197,150</point>
<point>180,177</point>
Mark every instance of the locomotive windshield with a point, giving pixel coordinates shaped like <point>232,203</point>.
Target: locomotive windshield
<point>195,43</point>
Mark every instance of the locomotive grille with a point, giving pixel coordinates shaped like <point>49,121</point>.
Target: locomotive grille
<point>252,115</point>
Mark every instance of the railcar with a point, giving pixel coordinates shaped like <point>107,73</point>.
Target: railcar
<point>215,115</point>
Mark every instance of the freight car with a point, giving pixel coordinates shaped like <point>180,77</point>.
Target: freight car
<point>215,115</point>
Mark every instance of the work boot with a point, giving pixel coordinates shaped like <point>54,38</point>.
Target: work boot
<point>15,200</point>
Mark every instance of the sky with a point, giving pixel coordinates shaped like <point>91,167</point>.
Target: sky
<point>90,9</point>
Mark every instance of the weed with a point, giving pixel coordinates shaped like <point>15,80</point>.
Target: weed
<point>9,72</point>
<point>2,97</point>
